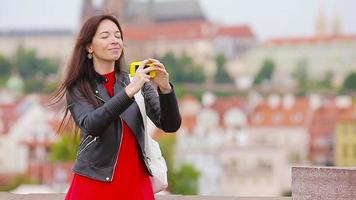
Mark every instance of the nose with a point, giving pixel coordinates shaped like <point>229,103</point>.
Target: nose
<point>115,41</point>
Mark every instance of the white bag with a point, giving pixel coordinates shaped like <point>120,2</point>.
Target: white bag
<point>156,162</point>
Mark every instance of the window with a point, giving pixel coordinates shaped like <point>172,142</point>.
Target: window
<point>345,151</point>
<point>277,118</point>
<point>258,118</point>
<point>297,117</point>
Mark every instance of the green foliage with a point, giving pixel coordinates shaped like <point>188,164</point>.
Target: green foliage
<point>182,69</point>
<point>327,80</point>
<point>265,73</point>
<point>179,90</point>
<point>32,70</point>
<point>5,67</point>
<point>287,193</point>
<point>13,183</point>
<point>349,84</point>
<point>184,181</point>
<point>65,149</point>
<point>167,144</point>
<point>221,75</point>
<point>29,65</point>
<point>301,76</point>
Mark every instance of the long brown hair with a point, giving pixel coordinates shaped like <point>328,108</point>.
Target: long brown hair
<point>80,70</point>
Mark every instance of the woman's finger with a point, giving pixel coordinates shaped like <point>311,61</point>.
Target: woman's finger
<point>160,65</point>
<point>154,60</point>
<point>143,64</point>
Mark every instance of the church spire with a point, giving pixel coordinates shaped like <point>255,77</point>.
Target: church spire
<point>336,24</point>
<point>321,24</point>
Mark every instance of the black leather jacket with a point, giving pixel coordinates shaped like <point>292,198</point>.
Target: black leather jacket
<point>101,128</point>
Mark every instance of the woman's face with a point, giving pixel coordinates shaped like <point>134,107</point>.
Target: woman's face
<point>107,43</point>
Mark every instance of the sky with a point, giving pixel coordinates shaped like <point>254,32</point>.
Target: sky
<point>267,18</point>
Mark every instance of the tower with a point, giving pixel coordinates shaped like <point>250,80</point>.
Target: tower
<point>336,26</point>
<point>113,7</point>
<point>320,26</point>
<point>116,7</point>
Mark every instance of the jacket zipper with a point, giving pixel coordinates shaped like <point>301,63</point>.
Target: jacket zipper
<point>122,135</point>
<point>86,146</point>
<point>85,139</point>
<point>100,98</point>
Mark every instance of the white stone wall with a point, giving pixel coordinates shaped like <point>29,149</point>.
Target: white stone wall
<point>338,57</point>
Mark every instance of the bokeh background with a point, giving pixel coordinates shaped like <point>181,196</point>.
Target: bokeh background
<point>262,86</point>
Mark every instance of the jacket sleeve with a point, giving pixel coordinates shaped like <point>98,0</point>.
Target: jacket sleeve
<point>94,120</point>
<point>162,109</point>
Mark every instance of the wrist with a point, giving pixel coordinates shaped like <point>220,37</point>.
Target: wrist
<point>129,91</point>
<point>166,89</point>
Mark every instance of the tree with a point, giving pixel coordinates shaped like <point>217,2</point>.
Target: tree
<point>301,76</point>
<point>185,180</point>
<point>182,69</point>
<point>221,75</point>
<point>34,70</point>
<point>29,65</point>
<point>5,66</point>
<point>65,149</point>
<point>327,80</point>
<point>349,84</point>
<point>265,73</point>
<point>5,69</point>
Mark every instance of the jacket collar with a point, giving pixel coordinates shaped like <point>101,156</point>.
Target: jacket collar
<point>121,81</point>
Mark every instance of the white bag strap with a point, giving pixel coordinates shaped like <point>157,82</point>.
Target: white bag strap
<point>141,104</point>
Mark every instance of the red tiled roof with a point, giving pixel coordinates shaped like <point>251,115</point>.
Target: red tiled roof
<point>222,105</point>
<point>8,116</point>
<point>347,115</point>
<point>189,97</point>
<point>265,115</point>
<point>189,122</point>
<point>195,29</point>
<point>235,31</point>
<point>170,31</point>
<point>310,40</point>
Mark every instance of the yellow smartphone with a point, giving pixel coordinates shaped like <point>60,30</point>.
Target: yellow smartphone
<point>135,65</point>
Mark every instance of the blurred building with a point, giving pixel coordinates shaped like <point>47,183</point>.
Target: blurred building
<point>151,29</point>
<point>144,12</point>
<point>325,52</point>
<point>252,169</point>
<point>281,122</point>
<point>28,130</point>
<point>245,146</point>
<point>54,44</point>
<point>322,130</point>
<point>319,56</point>
<point>345,135</point>
<point>248,146</point>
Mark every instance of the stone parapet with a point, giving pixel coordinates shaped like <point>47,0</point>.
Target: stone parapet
<point>327,183</point>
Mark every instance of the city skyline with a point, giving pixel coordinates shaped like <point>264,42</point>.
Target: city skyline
<point>299,17</point>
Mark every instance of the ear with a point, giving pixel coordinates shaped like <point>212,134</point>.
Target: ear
<point>89,48</point>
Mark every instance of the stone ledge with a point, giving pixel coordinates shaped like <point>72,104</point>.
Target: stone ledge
<point>327,183</point>
<point>10,196</point>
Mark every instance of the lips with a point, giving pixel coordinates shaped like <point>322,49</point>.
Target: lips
<point>114,49</point>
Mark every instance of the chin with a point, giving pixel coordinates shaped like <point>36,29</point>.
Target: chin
<point>113,58</point>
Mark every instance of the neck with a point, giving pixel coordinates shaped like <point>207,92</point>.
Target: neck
<point>103,67</point>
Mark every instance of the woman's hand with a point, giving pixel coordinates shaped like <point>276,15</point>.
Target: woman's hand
<point>139,79</point>
<point>162,76</point>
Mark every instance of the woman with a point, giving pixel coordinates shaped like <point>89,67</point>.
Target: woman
<point>111,161</point>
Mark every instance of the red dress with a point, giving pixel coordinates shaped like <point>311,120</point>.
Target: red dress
<point>131,180</point>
